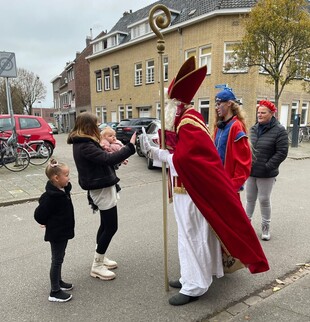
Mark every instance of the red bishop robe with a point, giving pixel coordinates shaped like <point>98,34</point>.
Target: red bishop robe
<point>201,171</point>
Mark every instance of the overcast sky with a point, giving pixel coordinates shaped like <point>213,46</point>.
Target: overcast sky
<point>44,35</point>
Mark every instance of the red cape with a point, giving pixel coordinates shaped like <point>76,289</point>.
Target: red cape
<point>201,171</point>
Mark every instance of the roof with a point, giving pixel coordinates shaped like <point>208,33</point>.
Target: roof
<point>196,7</point>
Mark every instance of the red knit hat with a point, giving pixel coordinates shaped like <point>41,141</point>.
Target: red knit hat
<point>185,85</point>
<point>268,104</point>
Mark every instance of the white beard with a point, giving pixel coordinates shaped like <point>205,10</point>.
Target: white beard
<point>170,114</point>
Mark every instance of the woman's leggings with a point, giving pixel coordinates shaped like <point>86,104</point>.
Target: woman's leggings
<point>107,229</point>
<point>261,188</point>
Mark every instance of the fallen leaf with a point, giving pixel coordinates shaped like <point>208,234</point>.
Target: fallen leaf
<point>279,281</point>
<point>275,289</point>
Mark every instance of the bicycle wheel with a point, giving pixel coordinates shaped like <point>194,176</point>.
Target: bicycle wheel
<point>39,153</point>
<point>15,159</point>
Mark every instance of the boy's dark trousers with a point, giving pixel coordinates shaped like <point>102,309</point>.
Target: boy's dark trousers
<point>58,253</point>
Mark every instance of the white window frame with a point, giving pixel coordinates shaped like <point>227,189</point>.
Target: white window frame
<point>107,80</point>
<point>138,74</point>
<point>149,76</point>
<point>128,110</point>
<point>204,104</point>
<point>158,110</point>
<point>205,57</point>
<point>116,78</point>
<point>99,82</point>
<point>229,65</point>
<point>304,114</point>
<point>121,112</point>
<point>165,66</point>
<point>190,52</point>
<point>294,111</point>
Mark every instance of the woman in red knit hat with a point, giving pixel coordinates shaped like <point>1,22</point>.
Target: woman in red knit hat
<point>270,147</point>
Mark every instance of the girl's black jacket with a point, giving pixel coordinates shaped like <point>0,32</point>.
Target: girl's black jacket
<point>269,148</point>
<point>56,212</point>
<point>94,165</point>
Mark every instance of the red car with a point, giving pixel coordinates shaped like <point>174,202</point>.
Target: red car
<point>36,126</point>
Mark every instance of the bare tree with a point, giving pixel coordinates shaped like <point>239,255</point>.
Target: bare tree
<point>18,107</point>
<point>277,39</point>
<point>29,88</point>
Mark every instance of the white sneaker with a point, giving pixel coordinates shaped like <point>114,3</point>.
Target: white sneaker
<point>265,232</point>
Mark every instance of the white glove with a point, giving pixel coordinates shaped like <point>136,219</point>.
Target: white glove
<point>145,141</point>
<point>159,154</point>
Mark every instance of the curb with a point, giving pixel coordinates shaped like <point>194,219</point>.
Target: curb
<point>260,295</point>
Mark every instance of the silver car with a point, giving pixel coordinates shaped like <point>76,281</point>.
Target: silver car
<point>152,135</point>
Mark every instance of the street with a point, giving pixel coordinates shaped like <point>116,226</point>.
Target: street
<point>138,293</point>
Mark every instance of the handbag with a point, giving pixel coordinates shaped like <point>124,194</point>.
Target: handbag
<point>231,264</point>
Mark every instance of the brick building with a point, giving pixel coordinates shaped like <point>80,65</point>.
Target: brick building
<point>71,90</point>
<point>124,64</point>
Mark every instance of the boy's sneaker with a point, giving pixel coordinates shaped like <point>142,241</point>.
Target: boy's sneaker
<point>65,286</point>
<point>59,296</point>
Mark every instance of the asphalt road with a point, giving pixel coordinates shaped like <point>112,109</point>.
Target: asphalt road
<point>138,293</point>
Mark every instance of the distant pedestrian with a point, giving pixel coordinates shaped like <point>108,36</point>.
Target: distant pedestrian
<point>96,171</point>
<point>231,139</point>
<point>270,147</point>
<point>55,212</point>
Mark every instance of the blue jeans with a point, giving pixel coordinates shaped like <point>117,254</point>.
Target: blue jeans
<point>58,253</point>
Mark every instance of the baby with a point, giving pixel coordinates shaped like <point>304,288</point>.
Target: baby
<point>110,144</point>
<point>108,140</point>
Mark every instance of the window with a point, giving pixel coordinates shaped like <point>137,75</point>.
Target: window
<point>28,123</point>
<point>150,72</point>
<point>204,108</point>
<point>205,58</point>
<point>70,75</point>
<point>107,83</point>
<point>294,112</point>
<point>128,111</point>
<point>138,74</point>
<point>230,59</point>
<point>112,41</point>
<point>165,63</point>
<point>158,111</point>
<point>190,53</point>
<point>121,113</point>
<point>140,30</point>
<point>101,113</point>
<point>304,114</point>
<point>115,73</point>
<point>98,81</point>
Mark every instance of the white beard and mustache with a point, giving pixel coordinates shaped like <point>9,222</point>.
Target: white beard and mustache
<point>171,111</point>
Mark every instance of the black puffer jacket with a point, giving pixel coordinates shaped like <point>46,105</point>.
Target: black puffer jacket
<point>269,149</point>
<point>94,165</point>
<point>56,212</point>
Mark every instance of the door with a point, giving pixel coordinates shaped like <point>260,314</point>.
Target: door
<point>284,115</point>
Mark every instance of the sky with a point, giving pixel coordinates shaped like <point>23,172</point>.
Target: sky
<point>44,35</point>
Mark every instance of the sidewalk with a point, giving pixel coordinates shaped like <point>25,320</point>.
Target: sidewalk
<point>287,302</point>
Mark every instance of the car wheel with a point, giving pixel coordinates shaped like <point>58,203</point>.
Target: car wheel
<point>149,163</point>
<point>138,149</point>
<point>50,147</point>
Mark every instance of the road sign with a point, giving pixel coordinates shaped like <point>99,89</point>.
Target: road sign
<point>221,86</point>
<point>7,64</point>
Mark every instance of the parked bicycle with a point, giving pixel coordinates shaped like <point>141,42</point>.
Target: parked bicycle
<point>38,150</point>
<point>12,156</point>
<point>303,133</point>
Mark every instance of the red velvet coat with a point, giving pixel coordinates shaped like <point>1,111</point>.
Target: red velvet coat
<point>201,171</point>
